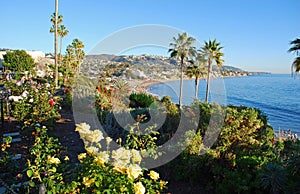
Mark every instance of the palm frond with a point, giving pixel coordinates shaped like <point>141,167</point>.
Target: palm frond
<point>296,46</point>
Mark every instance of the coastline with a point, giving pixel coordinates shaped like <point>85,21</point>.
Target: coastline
<point>142,85</point>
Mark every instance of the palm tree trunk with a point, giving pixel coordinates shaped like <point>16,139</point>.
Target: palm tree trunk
<point>196,87</point>
<point>208,79</point>
<point>56,45</point>
<point>181,82</point>
<point>60,47</point>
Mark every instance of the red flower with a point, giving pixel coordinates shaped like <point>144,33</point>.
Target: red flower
<point>51,102</point>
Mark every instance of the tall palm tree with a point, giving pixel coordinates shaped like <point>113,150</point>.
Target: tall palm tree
<point>55,43</point>
<point>197,71</point>
<point>211,51</point>
<point>182,48</point>
<point>62,32</point>
<point>296,49</point>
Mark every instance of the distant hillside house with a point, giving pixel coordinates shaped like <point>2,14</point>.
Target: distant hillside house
<point>139,74</point>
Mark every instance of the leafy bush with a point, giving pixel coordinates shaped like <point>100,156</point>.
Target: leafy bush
<point>141,100</point>
<point>170,106</point>
<point>67,99</point>
<point>233,165</point>
<point>116,171</point>
<point>37,106</point>
<point>45,165</point>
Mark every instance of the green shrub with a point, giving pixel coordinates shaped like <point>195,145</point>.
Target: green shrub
<point>141,100</point>
<point>37,107</point>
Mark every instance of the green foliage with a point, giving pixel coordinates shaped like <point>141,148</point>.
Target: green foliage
<point>18,61</point>
<point>44,168</point>
<point>273,177</point>
<point>143,139</point>
<point>141,100</point>
<point>242,148</point>
<point>67,99</point>
<point>4,157</point>
<point>171,107</point>
<point>36,107</point>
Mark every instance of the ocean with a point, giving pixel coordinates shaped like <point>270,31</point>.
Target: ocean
<point>278,96</point>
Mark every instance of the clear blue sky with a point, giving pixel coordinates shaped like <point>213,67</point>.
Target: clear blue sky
<point>255,33</point>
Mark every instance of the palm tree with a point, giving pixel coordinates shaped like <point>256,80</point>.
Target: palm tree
<point>211,51</point>
<point>197,71</point>
<point>62,32</point>
<point>296,49</point>
<point>182,48</point>
<point>59,21</point>
<point>55,43</point>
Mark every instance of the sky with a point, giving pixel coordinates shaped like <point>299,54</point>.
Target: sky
<point>255,34</point>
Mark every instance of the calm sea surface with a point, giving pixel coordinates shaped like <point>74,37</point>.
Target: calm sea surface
<point>278,96</point>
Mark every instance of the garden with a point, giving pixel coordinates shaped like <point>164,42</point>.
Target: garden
<point>66,133</point>
<point>59,156</point>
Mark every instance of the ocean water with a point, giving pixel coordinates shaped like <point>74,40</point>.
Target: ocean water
<point>278,96</point>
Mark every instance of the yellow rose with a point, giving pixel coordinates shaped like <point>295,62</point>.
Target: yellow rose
<point>144,153</point>
<point>82,127</point>
<point>108,140</point>
<point>92,150</point>
<point>120,169</point>
<point>121,155</point>
<point>136,156</point>
<point>94,136</point>
<point>162,184</point>
<point>81,156</point>
<point>102,158</point>
<point>139,188</point>
<point>134,171</point>
<point>53,160</point>
<point>87,182</point>
<point>154,175</point>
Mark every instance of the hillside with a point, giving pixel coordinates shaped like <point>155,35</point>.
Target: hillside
<point>149,66</point>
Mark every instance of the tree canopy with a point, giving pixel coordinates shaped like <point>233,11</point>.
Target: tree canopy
<point>295,48</point>
<point>18,61</point>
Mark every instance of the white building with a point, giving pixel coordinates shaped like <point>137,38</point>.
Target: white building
<point>34,54</point>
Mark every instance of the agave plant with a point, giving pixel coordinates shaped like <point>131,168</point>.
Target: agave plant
<point>273,177</point>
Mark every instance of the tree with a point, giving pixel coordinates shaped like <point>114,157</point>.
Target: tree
<point>18,61</point>
<point>72,59</point>
<point>55,43</point>
<point>61,32</point>
<point>211,51</point>
<point>182,49</point>
<point>76,50</point>
<point>296,49</point>
<point>196,70</point>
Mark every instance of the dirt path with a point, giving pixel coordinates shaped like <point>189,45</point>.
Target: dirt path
<point>69,138</point>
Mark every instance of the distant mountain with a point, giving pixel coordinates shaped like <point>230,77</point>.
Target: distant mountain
<point>151,65</point>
